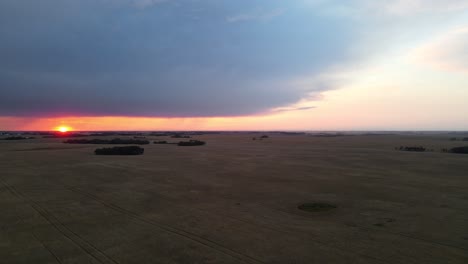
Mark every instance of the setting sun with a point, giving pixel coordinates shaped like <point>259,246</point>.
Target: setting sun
<point>63,129</point>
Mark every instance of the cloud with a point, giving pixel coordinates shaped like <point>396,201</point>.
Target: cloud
<point>405,7</point>
<point>262,16</point>
<point>84,58</point>
<point>289,109</point>
<point>147,3</point>
<point>89,60</point>
<point>448,52</point>
<point>365,9</point>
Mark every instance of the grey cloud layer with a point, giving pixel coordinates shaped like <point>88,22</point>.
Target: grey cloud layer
<point>167,58</point>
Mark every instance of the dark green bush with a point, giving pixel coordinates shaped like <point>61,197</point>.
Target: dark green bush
<point>128,150</point>
<point>191,143</point>
<point>460,150</point>
<point>316,207</point>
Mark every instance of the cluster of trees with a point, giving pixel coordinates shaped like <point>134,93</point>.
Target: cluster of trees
<point>292,133</point>
<point>115,141</point>
<point>161,142</point>
<point>183,143</point>
<point>416,149</point>
<point>460,150</point>
<point>456,139</point>
<point>128,150</point>
<point>191,143</point>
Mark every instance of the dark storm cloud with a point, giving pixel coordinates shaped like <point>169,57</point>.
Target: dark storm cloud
<point>160,58</point>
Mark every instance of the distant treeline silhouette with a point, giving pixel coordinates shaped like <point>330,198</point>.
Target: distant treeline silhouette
<point>171,134</point>
<point>180,136</point>
<point>110,133</point>
<point>115,141</point>
<point>17,138</point>
<point>182,143</point>
<point>128,150</point>
<point>191,143</point>
<point>329,135</point>
<point>457,150</point>
<point>65,135</point>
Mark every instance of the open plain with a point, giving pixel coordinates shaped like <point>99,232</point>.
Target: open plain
<point>235,200</point>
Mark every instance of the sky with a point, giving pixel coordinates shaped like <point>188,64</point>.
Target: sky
<point>234,65</point>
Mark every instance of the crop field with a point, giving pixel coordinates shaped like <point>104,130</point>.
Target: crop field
<point>281,199</point>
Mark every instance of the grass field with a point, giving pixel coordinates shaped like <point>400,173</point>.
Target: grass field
<point>235,200</point>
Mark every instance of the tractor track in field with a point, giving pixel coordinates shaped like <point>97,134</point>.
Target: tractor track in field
<point>90,249</point>
<point>172,230</point>
<point>184,233</point>
<point>422,240</point>
<point>38,239</point>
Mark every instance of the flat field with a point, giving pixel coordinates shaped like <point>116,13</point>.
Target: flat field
<point>235,200</point>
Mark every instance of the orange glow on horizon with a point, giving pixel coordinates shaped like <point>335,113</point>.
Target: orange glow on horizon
<point>119,123</point>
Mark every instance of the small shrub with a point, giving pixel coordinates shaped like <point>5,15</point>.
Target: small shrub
<point>264,136</point>
<point>128,150</point>
<point>160,142</point>
<point>316,207</point>
<point>191,143</point>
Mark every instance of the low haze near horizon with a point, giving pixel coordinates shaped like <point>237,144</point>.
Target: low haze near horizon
<point>234,65</point>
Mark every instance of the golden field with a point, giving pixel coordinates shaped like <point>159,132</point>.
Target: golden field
<point>235,200</point>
